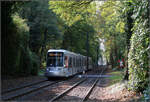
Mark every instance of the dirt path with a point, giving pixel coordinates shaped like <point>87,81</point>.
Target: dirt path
<point>104,92</point>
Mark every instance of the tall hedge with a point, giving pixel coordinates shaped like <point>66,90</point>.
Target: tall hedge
<point>138,53</point>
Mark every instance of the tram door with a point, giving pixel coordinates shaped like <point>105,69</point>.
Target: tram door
<point>70,65</point>
<point>66,63</point>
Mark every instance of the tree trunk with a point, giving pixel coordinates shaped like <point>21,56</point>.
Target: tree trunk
<point>129,34</point>
<point>44,44</point>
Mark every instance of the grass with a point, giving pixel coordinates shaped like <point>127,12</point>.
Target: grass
<point>116,76</point>
<point>42,69</point>
<point>41,72</point>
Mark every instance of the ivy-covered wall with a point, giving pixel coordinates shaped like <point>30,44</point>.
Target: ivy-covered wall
<point>138,61</point>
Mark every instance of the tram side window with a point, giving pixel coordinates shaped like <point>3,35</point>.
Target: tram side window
<point>66,61</point>
<point>70,62</point>
<point>90,62</point>
<point>83,62</point>
<point>80,62</point>
<point>77,62</point>
<point>74,61</point>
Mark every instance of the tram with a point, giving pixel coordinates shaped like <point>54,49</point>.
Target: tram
<point>63,63</point>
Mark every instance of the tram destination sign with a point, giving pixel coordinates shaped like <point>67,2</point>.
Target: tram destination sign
<point>54,54</point>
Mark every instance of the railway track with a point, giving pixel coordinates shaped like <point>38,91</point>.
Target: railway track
<point>50,87</point>
<point>90,90</point>
<point>13,94</point>
<point>25,89</point>
<point>64,92</point>
<point>23,86</point>
<point>61,95</point>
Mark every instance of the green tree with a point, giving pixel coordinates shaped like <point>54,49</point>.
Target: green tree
<point>15,38</point>
<point>78,18</point>
<point>127,17</point>
<point>44,31</point>
<point>72,11</point>
<point>111,28</point>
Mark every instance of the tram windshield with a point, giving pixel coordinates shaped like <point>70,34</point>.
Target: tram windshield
<point>55,59</point>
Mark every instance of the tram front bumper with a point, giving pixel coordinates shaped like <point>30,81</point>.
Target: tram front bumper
<point>61,73</point>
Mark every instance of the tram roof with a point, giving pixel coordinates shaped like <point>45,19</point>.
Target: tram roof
<point>61,50</point>
<point>65,51</point>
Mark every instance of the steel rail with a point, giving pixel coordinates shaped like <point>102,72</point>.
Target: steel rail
<point>90,90</point>
<point>17,88</point>
<point>66,91</point>
<point>33,89</point>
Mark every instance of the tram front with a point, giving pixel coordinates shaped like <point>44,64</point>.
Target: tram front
<point>54,64</point>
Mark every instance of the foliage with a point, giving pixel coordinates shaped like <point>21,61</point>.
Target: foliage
<point>18,59</point>
<point>34,27</point>
<point>7,41</point>
<point>111,28</point>
<point>42,23</point>
<point>138,53</point>
<point>76,36</point>
<point>72,11</point>
<point>127,13</point>
<point>17,51</point>
<point>44,28</point>
<point>78,21</point>
<point>26,61</point>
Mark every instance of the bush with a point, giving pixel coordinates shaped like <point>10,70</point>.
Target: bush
<point>30,63</point>
<point>138,53</point>
<point>35,63</point>
<point>19,60</point>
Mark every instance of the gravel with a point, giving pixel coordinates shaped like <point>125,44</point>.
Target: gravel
<point>48,93</point>
<point>101,93</point>
<point>17,82</point>
<point>13,83</point>
<point>79,92</point>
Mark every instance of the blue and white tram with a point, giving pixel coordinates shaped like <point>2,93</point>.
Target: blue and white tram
<point>63,63</point>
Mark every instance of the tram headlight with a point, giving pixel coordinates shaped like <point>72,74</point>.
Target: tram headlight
<point>47,69</point>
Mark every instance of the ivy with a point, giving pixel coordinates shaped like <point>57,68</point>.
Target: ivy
<point>138,53</point>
